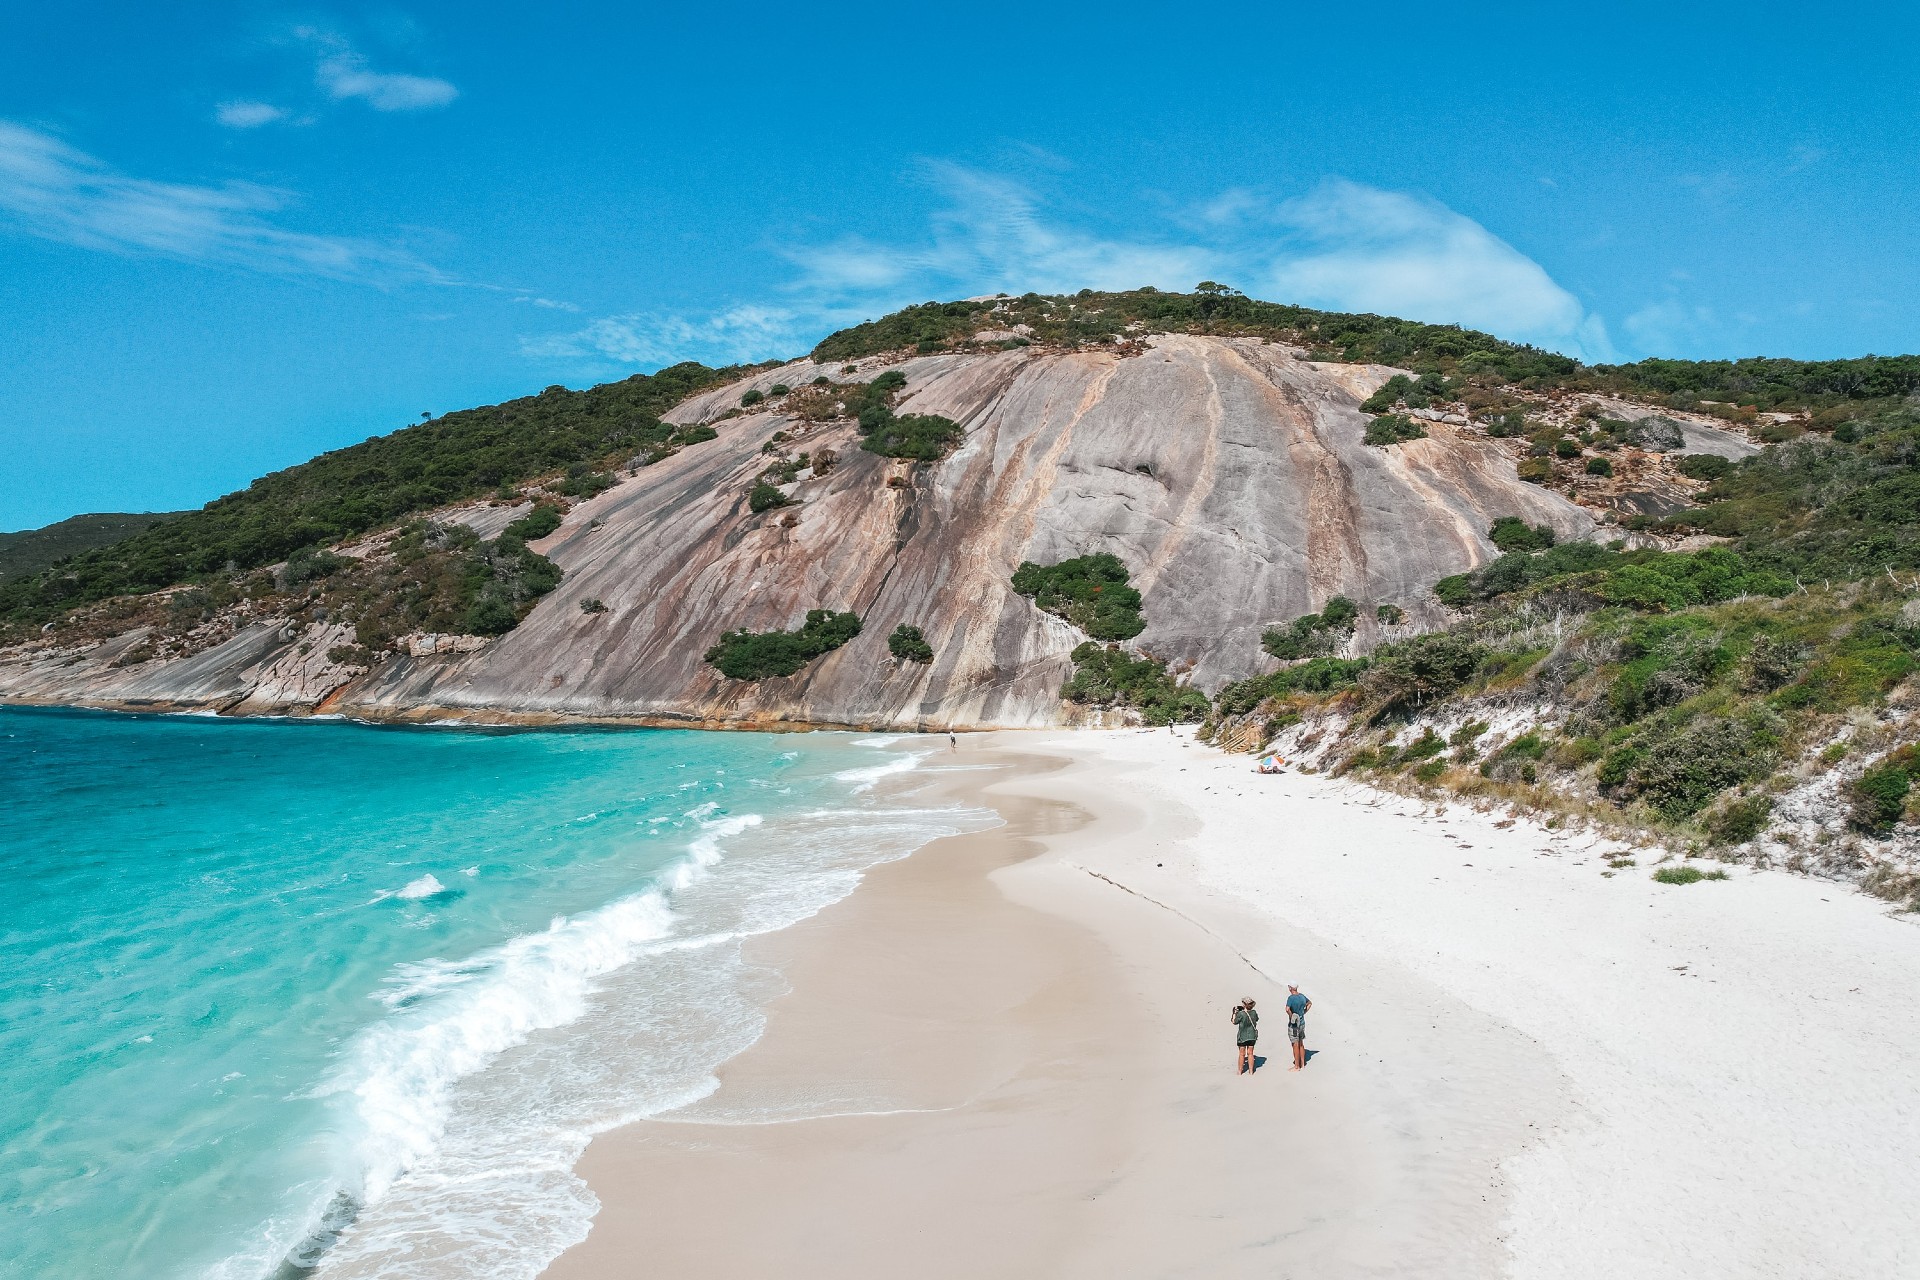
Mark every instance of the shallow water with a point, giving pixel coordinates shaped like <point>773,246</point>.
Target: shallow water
<point>283,996</point>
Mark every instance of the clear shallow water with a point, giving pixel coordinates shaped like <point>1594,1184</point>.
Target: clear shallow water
<point>358,996</point>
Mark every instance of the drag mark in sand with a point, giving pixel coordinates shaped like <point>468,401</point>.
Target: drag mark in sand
<point>1183,915</point>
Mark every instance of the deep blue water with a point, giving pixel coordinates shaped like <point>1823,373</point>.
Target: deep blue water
<point>357,996</point>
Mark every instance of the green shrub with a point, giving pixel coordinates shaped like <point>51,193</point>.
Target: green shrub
<point>1313,633</point>
<point>909,645</point>
<point>584,481</point>
<point>1703,466</point>
<point>1511,533</point>
<point>1740,820</point>
<point>1321,675</point>
<point>1388,395</point>
<point>1392,428</point>
<point>1678,770</point>
<point>1879,795</point>
<point>1389,615</point>
<point>778,389</point>
<point>1680,875</point>
<point>593,604</point>
<point>747,655</point>
<point>536,524</point>
<point>1599,467</point>
<point>1424,747</point>
<point>1108,676</point>
<point>1535,470</point>
<point>1430,770</point>
<point>765,497</point>
<point>751,397</point>
<point>1508,425</point>
<point>1412,673</point>
<point>1089,591</point>
<point>923,437</point>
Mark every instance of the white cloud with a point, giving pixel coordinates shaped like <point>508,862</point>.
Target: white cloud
<point>57,192</point>
<point>344,73</point>
<point>1344,247</point>
<point>1357,248</point>
<point>744,333</point>
<point>248,115</point>
<point>993,236</point>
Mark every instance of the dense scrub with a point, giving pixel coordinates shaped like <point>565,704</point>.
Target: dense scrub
<point>1681,685</point>
<point>923,437</point>
<point>1108,676</point>
<point>908,644</point>
<point>32,550</point>
<point>1091,592</point>
<point>367,486</point>
<point>1314,633</point>
<point>748,655</point>
<point>1446,358</point>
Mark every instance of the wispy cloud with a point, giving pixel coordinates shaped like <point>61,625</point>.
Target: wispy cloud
<point>1356,248</point>
<point>740,334</point>
<point>344,73</point>
<point>1343,246</point>
<point>57,192</point>
<point>248,115</point>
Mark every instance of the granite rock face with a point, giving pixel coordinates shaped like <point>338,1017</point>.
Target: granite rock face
<point>1228,474</point>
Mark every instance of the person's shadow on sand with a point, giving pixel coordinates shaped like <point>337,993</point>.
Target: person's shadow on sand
<point>1258,1062</point>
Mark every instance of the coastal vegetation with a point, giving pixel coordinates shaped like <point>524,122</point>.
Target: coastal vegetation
<point>1089,591</point>
<point>1106,675</point>
<point>1681,691</point>
<point>473,453</point>
<point>32,550</point>
<point>1446,359</point>
<point>908,644</point>
<point>922,437</point>
<point>751,655</point>
<point>1093,593</point>
<point>1313,633</point>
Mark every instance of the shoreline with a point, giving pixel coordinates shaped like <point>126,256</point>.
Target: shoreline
<point>996,1056</point>
<point>1526,1062</point>
<point>443,717</point>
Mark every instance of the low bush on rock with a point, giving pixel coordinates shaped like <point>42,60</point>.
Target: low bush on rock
<point>1313,633</point>
<point>909,645</point>
<point>1089,591</point>
<point>1109,676</point>
<point>749,655</point>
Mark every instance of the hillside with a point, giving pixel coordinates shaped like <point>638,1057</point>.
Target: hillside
<point>1677,597</point>
<point>31,551</point>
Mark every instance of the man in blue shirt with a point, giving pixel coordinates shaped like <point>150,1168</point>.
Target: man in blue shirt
<point>1297,1006</point>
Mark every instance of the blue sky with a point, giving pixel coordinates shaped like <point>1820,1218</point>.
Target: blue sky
<point>235,235</point>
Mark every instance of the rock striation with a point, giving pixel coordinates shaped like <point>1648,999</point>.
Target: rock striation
<point>1228,474</point>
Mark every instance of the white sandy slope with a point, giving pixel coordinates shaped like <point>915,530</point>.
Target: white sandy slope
<point>1738,1093</point>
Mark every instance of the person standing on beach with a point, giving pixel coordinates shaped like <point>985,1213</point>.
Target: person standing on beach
<point>1297,1006</point>
<point>1246,1031</point>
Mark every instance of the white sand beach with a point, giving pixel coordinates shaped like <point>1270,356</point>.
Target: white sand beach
<point>1010,1055</point>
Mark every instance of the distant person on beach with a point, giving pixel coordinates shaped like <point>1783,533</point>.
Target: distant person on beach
<point>1246,1031</point>
<point>1297,1006</point>
<point>953,742</point>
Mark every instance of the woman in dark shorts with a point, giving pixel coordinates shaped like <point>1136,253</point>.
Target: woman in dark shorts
<point>1246,1031</point>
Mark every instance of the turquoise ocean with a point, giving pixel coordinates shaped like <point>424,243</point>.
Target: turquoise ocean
<point>288,998</point>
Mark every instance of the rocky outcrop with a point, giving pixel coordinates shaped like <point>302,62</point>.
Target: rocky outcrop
<point>1228,474</point>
